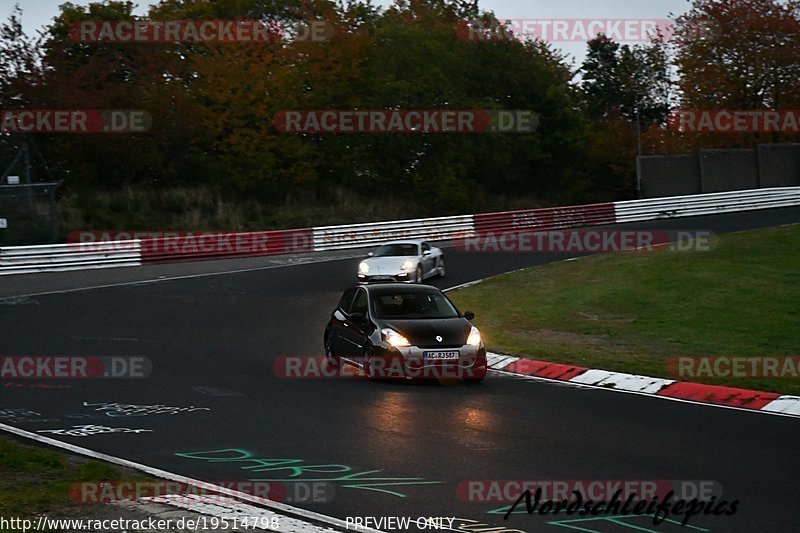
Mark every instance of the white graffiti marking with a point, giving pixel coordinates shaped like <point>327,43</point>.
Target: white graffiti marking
<point>126,409</point>
<point>90,429</point>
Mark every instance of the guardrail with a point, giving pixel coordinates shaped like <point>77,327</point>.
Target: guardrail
<point>200,246</point>
<point>215,245</point>
<point>27,259</point>
<point>359,235</point>
<point>706,204</point>
<point>549,218</point>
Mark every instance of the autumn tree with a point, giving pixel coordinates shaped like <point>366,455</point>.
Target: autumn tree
<point>739,54</point>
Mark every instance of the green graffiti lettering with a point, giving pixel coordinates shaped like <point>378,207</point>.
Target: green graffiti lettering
<point>296,471</point>
<point>627,521</point>
<point>213,455</point>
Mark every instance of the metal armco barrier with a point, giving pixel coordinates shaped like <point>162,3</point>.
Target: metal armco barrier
<point>545,219</point>
<point>200,246</point>
<point>104,254</point>
<point>706,204</point>
<point>52,257</point>
<point>358,235</point>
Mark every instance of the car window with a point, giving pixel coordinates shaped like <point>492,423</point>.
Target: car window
<point>425,246</point>
<point>413,305</point>
<point>395,250</point>
<point>360,303</point>
<point>347,298</point>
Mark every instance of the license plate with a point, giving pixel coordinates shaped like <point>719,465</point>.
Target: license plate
<point>441,356</point>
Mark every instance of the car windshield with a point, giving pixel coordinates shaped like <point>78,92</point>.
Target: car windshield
<point>395,250</point>
<point>413,305</point>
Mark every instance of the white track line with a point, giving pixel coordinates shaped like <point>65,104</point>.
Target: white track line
<point>174,278</point>
<point>306,527</point>
<point>257,517</point>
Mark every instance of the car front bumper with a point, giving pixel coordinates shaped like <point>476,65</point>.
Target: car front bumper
<point>411,362</point>
<point>402,277</point>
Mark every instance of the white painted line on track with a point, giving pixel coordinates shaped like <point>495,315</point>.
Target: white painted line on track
<point>306,527</point>
<point>174,278</point>
<point>256,517</point>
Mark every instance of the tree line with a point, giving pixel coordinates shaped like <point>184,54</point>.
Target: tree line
<point>212,104</point>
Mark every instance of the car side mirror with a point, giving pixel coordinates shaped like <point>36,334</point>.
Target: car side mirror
<point>426,252</point>
<point>370,254</point>
<point>469,315</point>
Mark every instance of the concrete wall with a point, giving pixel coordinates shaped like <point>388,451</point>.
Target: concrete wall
<point>728,170</point>
<point>669,175</point>
<point>779,165</point>
<point>769,165</point>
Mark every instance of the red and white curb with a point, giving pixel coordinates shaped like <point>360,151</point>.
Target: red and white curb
<point>729,397</point>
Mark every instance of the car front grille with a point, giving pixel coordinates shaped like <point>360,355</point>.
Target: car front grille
<point>439,346</point>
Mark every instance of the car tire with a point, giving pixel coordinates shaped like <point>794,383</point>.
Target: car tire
<point>441,267</point>
<point>477,377</point>
<point>331,359</point>
<point>418,277</point>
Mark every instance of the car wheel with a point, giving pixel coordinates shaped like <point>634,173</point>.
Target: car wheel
<point>329,357</point>
<point>441,267</point>
<point>473,378</point>
<point>418,278</point>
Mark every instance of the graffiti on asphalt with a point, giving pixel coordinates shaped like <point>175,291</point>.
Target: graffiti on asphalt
<point>298,469</point>
<point>473,526</point>
<point>622,522</point>
<point>632,522</point>
<point>90,429</point>
<point>126,409</point>
<point>15,416</point>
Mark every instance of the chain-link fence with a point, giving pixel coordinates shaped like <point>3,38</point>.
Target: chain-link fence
<point>29,213</point>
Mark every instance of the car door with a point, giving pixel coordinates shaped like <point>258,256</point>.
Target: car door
<point>355,331</point>
<point>338,319</point>
<point>427,259</point>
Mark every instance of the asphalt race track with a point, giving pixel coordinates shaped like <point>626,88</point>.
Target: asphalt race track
<point>388,449</point>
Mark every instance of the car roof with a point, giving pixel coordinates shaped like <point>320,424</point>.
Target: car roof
<point>399,287</point>
<point>404,241</point>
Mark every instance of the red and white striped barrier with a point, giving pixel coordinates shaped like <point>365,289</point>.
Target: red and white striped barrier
<point>207,246</point>
<point>769,402</point>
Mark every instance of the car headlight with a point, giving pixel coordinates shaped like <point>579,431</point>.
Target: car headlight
<point>363,268</point>
<point>408,265</point>
<point>394,338</point>
<point>474,338</point>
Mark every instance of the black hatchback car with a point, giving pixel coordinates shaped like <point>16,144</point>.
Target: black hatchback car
<point>404,331</point>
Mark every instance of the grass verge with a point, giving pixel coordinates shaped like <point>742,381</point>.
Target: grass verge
<point>36,481</point>
<point>632,311</point>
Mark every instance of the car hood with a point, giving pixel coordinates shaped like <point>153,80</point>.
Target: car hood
<point>453,331</point>
<point>386,265</point>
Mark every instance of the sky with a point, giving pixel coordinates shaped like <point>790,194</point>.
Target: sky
<point>37,13</point>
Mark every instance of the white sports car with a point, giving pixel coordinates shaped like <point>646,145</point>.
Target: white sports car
<point>411,261</point>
